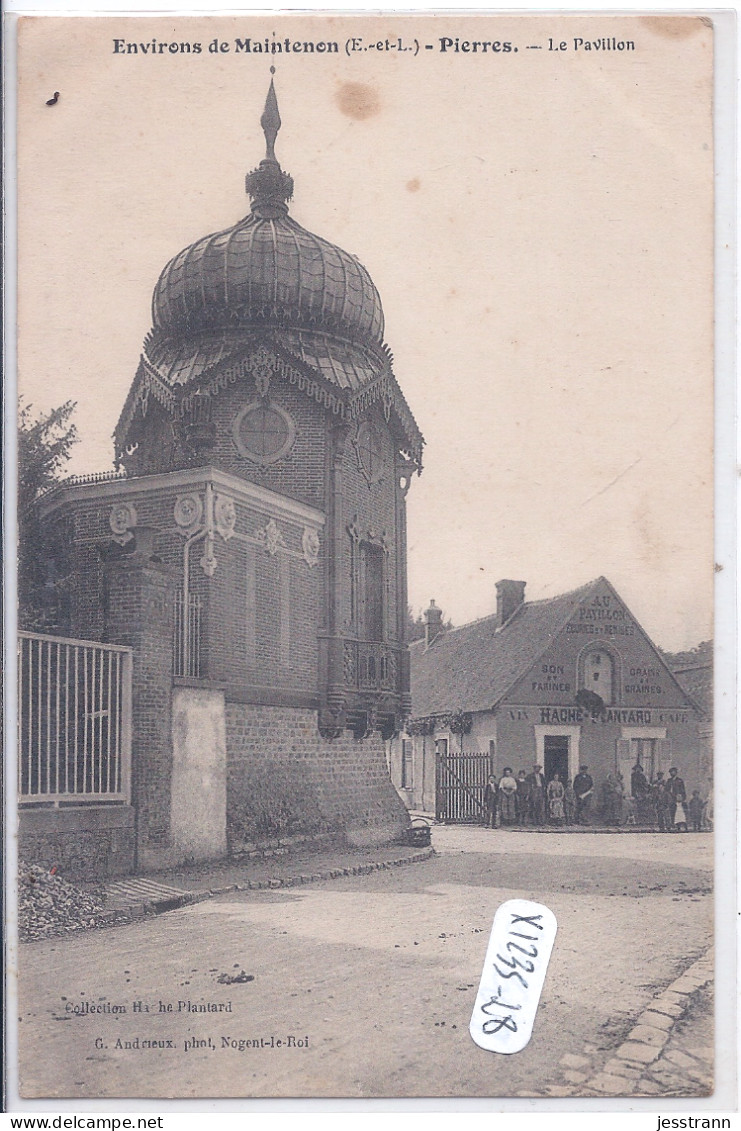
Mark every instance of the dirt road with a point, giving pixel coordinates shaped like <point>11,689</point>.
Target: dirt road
<point>367,982</point>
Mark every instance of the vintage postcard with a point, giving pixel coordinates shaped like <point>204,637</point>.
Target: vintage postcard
<point>365,369</point>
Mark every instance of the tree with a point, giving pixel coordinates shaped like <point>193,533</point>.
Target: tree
<point>590,702</point>
<point>415,628</point>
<point>44,444</point>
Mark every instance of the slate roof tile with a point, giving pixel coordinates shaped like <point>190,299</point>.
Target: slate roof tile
<point>470,668</point>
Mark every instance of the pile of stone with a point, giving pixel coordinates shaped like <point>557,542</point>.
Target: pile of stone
<point>49,905</point>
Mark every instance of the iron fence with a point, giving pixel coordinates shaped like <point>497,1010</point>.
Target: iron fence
<point>74,721</point>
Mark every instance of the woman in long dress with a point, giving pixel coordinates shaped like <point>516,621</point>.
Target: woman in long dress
<point>507,794</point>
<point>555,795</point>
<point>613,800</point>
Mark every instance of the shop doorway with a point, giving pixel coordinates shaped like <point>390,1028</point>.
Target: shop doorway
<point>556,756</point>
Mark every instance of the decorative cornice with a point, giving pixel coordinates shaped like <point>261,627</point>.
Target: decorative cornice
<point>248,360</point>
<point>241,490</point>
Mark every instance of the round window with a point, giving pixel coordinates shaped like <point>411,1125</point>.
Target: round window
<point>263,433</point>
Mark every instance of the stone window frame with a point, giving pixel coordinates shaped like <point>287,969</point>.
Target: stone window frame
<point>617,675</point>
<point>248,453</point>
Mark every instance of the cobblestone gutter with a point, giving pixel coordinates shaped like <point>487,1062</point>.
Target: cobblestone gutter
<point>654,1060</point>
<point>145,897</point>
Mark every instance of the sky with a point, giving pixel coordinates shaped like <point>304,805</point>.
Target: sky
<point>538,223</point>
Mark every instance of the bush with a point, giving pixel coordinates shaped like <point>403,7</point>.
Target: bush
<point>273,801</point>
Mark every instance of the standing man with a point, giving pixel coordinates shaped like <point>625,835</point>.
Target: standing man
<point>536,790</point>
<point>660,802</point>
<point>639,786</point>
<point>522,798</point>
<point>583,788</point>
<point>676,791</point>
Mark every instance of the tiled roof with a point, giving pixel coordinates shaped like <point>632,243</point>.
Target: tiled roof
<point>470,668</point>
<point>182,360</point>
<point>697,682</point>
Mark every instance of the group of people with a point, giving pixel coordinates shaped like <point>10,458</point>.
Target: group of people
<point>662,802</point>
<point>528,799</point>
<point>668,800</point>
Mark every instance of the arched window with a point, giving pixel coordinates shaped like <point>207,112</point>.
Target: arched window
<point>369,446</point>
<point>598,674</point>
<point>371,591</point>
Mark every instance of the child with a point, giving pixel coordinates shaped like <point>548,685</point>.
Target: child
<point>629,811</point>
<point>490,803</point>
<point>680,818</point>
<point>696,808</point>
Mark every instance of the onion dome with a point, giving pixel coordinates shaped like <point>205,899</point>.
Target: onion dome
<point>266,295</point>
<point>267,271</point>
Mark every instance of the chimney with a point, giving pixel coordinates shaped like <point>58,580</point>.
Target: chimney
<point>510,595</point>
<point>433,623</point>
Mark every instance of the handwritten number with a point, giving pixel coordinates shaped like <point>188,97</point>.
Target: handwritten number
<point>495,999</point>
<point>512,974</point>
<point>530,919</point>
<point>528,967</point>
<point>497,1023</point>
<point>531,953</point>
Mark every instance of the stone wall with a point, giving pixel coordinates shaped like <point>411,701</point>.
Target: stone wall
<point>198,809</point>
<point>90,842</point>
<point>283,779</point>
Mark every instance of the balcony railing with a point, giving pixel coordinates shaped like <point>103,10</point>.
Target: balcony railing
<point>370,666</point>
<point>74,721</point>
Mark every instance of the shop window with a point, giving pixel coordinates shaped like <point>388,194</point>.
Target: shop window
<point>643,752</point>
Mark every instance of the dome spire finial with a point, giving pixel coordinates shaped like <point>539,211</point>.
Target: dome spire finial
<point>268,186</point>
<point>270,120</point>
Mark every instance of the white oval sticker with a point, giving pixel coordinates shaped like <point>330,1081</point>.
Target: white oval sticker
<point>517,956</point>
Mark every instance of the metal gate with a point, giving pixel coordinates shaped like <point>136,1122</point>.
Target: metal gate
<point>74,721</point>
<point>460,782</point>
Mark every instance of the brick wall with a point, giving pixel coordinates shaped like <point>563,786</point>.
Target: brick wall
<point>244,603</point>
<point>300,474</point>
<point>140,611</point>
<point>283,778</point>
<point>263,609</point>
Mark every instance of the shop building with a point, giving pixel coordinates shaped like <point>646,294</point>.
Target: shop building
<point>562,682</point>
